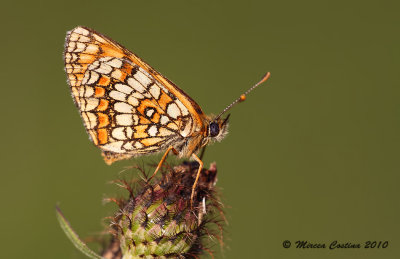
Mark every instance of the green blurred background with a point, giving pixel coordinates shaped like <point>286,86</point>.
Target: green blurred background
<point>312,155</point>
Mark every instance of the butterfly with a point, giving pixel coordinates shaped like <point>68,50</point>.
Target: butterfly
<point>129,109</point>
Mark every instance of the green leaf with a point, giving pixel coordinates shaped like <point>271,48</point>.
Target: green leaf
<point>66,227</point>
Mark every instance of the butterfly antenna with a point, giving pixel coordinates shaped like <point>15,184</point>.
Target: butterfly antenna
<point>242,97</point>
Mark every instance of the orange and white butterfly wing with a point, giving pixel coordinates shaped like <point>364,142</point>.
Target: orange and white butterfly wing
<point>127,107</point>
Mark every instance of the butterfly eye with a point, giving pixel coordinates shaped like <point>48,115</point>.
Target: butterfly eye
<point>214,129</point>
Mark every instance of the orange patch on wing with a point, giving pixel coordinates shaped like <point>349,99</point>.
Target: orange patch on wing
<point>103,120</point>
<point>151,141</point>
<point>99,91</point>
<point>164,100</point>
<point>102,136</point>
<point>104,81</point>
<point>156,118</point>
<point>79,76</point>
<point>103,105</point>
<point>145,103</point>
<point>111,51</point>
<point>86,58</point>
<point>127,68</point>
<point>140,131</point>
<point>143,120</point>
<point>148,103</point>
<point>172,126</point>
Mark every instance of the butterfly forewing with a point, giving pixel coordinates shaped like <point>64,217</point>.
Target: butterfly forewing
<point>127,107</point>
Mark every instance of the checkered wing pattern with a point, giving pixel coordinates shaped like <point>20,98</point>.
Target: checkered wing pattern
<point>127,107</point>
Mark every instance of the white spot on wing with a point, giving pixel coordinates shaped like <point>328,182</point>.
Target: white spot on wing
<point>142,78</point>
<point>71,46</point>
<point>135,119</point>
<point>113,147</point>
<point>81,30</point>
<point>187,130</point>
<point>79,47</point>
<point>137,95</point>
<point>128,146</point>
<point>123,88</point>
<point>85,77</point>
<point>123,107</point>
<point>173,110</point>
<point>72,80</point>
<point>89,91</point>
<point>182,107</point>
<point>83,39</point>
<point>98,38</point>
<point>74,37</point>
<point>77,68</point>
<point>153,131</point>
<point>117,95</point>
<point>115,63</point>
<point>68,57</point>
<point>133,101</point>
<point>117,74</point>
<point>91,49</point>
<point>136,85</point>
<point>155,91</point>
<point>124,119</point>
<point>129,132</point>
<point>118,133</point>
<point>88,104</point>
<point>149,113</point>
<point>93,77</point>
<point>89,119</point>
<point>94,65</point>
<point>92,119</point>
<point>164,119</point>
<point>74,56</point>
<point>104,69</point>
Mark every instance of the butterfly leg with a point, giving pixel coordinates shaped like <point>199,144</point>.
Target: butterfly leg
<point>197,176</point>
<point>163,159</point>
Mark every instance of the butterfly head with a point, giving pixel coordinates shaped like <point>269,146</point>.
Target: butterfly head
<point>217,128</point>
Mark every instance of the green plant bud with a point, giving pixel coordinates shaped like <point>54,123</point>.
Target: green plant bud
<point>158,220</point>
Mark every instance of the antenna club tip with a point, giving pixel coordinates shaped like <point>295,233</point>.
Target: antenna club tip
<point>265,77</point>
<point>242,98</point>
